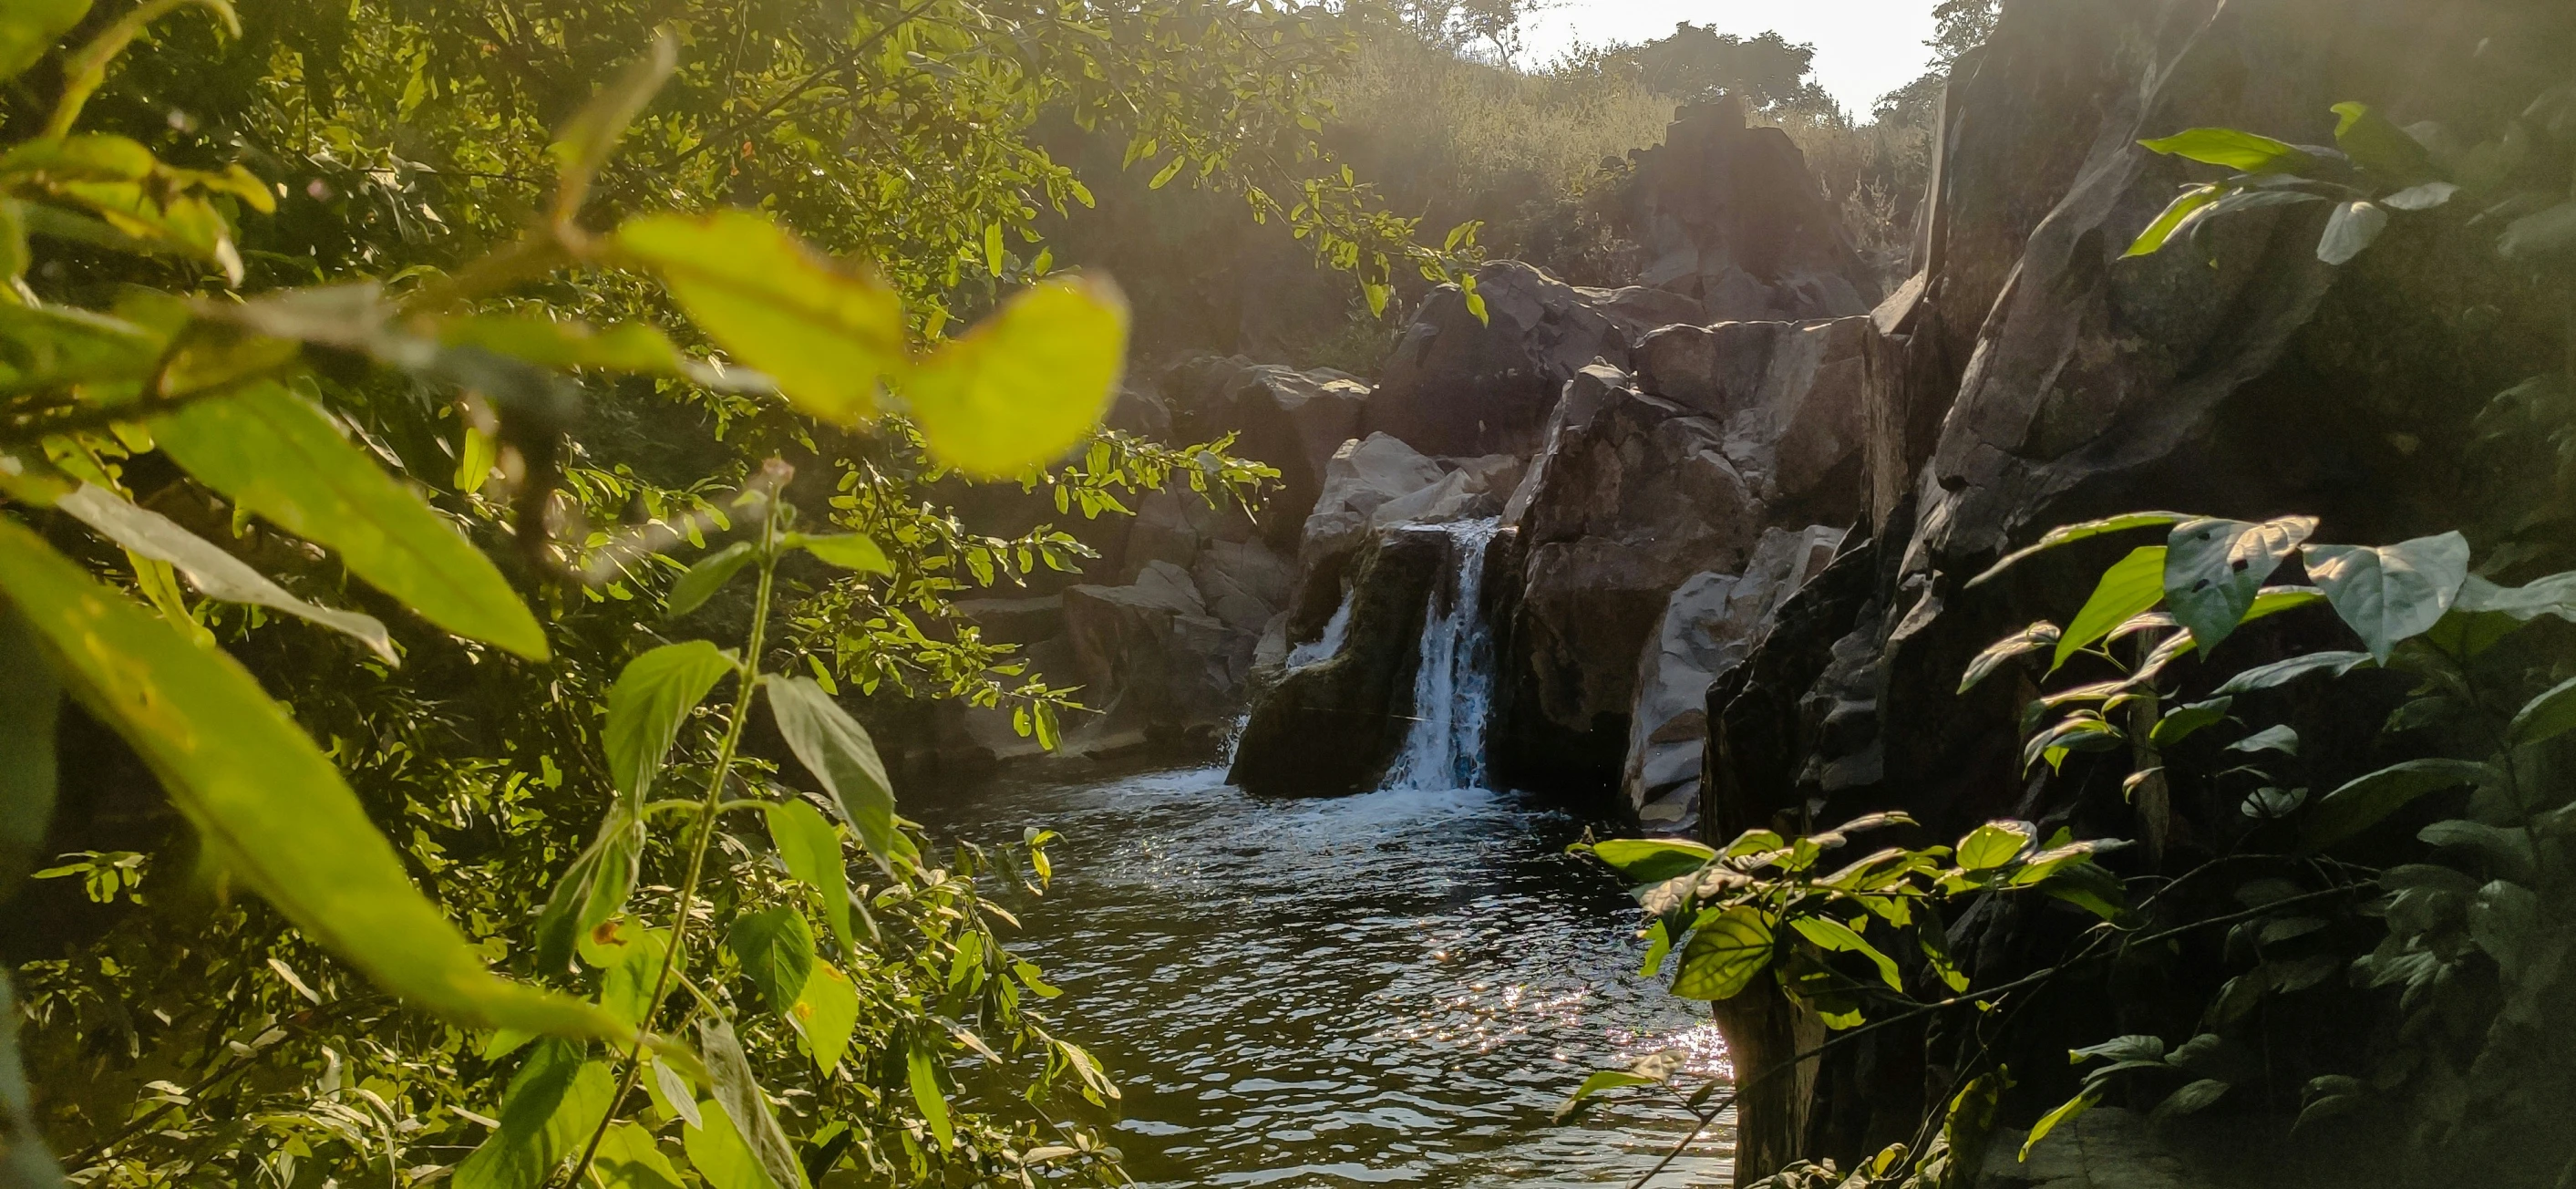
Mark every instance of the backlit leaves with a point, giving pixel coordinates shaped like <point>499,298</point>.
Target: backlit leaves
<point>2215,568</point>
<point>2391,592</point>
<point>837,750</point>
<point>1027,383</point>
<point>2130,586</point>
<point>1724,955</point>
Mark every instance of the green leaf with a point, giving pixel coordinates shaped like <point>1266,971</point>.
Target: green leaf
<point>629,1159</point>
<point>30,702</point>
<point>1025,384</point>
<point>2180,722</point>
<point>214,572</point>
<point>1994,844</point>
<point>2274,738</point>
<point>811,849</point>
<point>2392,592</point>
<point>837,750</point>
<point>582,145</point>
<point>2540,235</point>
<point>2362,802</point>
<point>703,580</point>
<point>776,949</point>
<point>2038,636</point>
<point>2129,587</point>
<point>2134,1047</point>
<point>2283,672</point>
<point>594,887</point>
<point>717,1152</point>
<point>826,1012</point>
<point>921,1074</point>
<point>1653,860</point>
<point>738,1092</point>
<point>1724,955</point>
<point>626,990</point>
<point>2553,595</point>
<point>2152,240</point>
<point>651,698</point>
<point>2420,198</point>
<point>269,806</point>
<point>826,335</point>
<point>850,551</point>
<point>2049,1122</point>
<point>30,27</point>
<point>1834,935</point>
<point>2376,144</point>
<point>2214,569</point>
<point>2244,152</point>
<point>553,1104</point>
<point>277,455</point>
<point>2193,1098</point>
<point>563,343</point>
<point>2071,533</point>
<point>2353,227</point>
<point>2545,717</point>
<point>1598,1082</point>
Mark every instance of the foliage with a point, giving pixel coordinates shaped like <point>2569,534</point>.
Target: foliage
<point>432,238</point>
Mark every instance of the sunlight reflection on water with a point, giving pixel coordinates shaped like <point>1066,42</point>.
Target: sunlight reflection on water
<point>1392,988</point>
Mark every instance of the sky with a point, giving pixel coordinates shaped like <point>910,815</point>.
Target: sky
<point>1864,48</point>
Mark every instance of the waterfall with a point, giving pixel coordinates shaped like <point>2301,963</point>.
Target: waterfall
<point>1454,685</point>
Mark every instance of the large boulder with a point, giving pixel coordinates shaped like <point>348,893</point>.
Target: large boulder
<point>1362,476</point>
<point>1290,419</point>
<point>1151,650</point>
<point>1790,395</point>
<point>1729,216</point>
<point>1333,725</point>
<point>1630,495</point>
<point>1709,623</point>
<point>1458,385</point>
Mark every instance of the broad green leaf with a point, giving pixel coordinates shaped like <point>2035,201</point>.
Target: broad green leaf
<point>2130,586</point>
<point>717,1152</point>
<point>215,573</point>
<point>1994,844</point>
<point>2152,240</point>
<point>30,27</point>
<point>582,145</point>
<point>30,702</point>
<point>1834,935</point>
<point>2244,152</point>
<point>776,949</point>
<point>2278,738</point>
<point>2180,722</point>
<point>2273,600</point>
<point>2365,800</point>
<point>594,887</point>
<point>827,335</point>
<point>1724,955</point>
<point>1653,1069</point>
<point>2068,534</point>
<point>1026,384</point>
<point>826,1011</point>
<point>2049,1122</point>
<point>671,1092</point>
<point>2553,595</point>
<point>2420,198</point>
<point>2541,235</point>
<point>837,750</point>
<point>2038,636</point>
<point>744,1104</point>
<point>24,1161</point>
<point>811,848</point>
<point>2214,569</point>
<point>2380,146</point>
<point>626,990</point>
<point>2391,592</point>
<point>2353,227</point>
<point>277,455</point>
<point>2508,850</point>
<point>553,1103</point>
<point>2545,717</point>
<point>651,698</point>
<point>629,1159</point>
<point>921,1074</point>
<point>1653,860</point>
<point>2134,1047</point>
<point>850,551</point>
<point>2283,672</point>
<point>703,580</point>
<point>2192,1098</point>
<point>269,806</point>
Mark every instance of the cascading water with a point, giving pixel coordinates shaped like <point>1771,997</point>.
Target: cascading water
<point>1454,685</point>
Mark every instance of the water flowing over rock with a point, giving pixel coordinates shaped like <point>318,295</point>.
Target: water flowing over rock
<point>1453,680</point>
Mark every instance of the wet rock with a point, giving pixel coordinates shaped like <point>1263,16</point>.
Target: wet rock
<point>1019,621</point>
<point>2103,1148</point>
<point>1708,625</point>
<point>1333,726</point>
<point>1476,489</point>
<point>1729,216</point>
<point>1457,386</point>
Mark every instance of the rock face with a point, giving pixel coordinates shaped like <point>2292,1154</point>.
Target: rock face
<point>1730,217</point>
<point>1152,648</point>
<point>1707,627</point>
<point>1332,726</point>
<point>1457,386</point>
<point>1790,396</point>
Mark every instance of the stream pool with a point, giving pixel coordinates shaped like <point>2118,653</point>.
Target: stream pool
<point>1395,988</point>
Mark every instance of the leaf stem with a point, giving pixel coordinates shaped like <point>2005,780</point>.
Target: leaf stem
<point>747,681</point>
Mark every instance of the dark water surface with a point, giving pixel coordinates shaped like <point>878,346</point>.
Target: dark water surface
<point>1395,988</point>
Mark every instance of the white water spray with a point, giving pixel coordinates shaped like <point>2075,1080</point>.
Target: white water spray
<point>1454,686</point>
